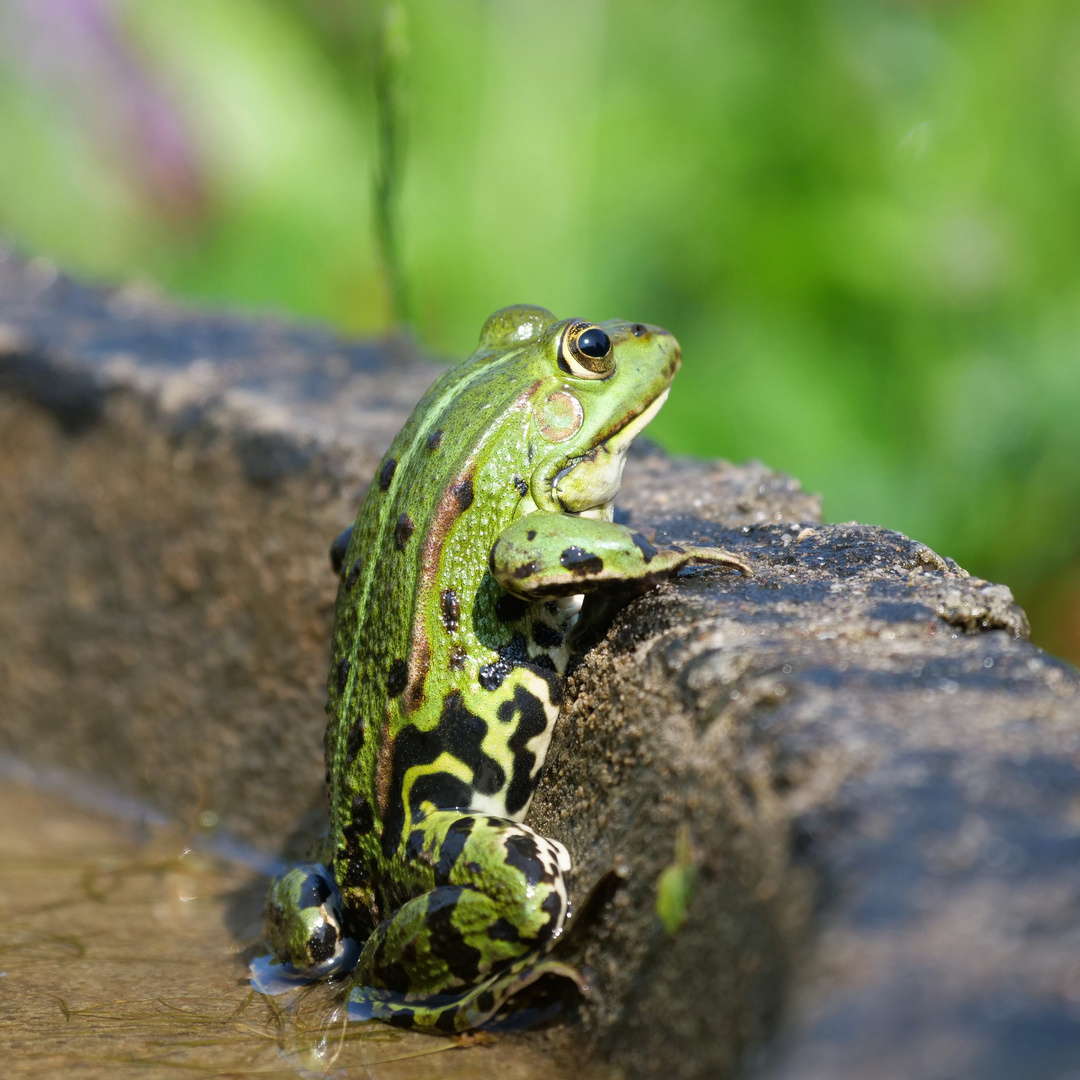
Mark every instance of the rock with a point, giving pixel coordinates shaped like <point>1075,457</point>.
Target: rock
<point>876,774</point>
<point>170,484</point>
<point>845,791</point>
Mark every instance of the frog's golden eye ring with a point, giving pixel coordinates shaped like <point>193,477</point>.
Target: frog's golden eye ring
<point>585,351</point>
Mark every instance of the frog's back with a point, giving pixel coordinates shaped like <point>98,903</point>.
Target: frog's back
<point>423,632</point>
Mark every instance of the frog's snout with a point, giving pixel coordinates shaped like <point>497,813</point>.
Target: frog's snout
<point>672,354</point>
<point>658,337</point>
<point>662,345</point>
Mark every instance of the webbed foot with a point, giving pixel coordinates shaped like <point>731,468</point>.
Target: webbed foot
<point>454,1013</point>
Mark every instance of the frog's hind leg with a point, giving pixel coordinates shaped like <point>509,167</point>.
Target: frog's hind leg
<point>454,1013</point>
<point>450,957</point>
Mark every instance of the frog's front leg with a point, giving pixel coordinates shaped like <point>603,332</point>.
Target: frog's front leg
<point>448,958</point>
<point>546,555</point>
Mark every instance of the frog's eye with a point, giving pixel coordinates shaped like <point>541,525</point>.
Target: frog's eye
<point>585,351</point>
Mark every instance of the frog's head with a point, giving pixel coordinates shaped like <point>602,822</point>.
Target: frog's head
<point>594,387</point>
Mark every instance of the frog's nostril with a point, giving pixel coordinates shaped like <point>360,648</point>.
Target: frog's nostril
<point>638,330</point>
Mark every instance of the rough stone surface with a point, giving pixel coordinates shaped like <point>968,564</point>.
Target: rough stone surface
<point>170,483</point>
<point>878,779</point>
<point>863,773</point>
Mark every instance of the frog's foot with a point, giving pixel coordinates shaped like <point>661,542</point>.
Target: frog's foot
<point>302,923</point>
<point>453,1013</point>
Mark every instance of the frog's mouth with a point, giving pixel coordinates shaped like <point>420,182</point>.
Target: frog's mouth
<point>588,484</point>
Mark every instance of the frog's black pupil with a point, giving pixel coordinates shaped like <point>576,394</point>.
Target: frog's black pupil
<point>594,342</point>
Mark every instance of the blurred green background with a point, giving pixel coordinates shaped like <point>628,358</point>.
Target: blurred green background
<point>861,218</point>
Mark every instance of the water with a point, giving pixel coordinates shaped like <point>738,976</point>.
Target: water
<point>124,953</point>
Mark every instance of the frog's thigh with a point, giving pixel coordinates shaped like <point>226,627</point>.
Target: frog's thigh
<point>501,892</point>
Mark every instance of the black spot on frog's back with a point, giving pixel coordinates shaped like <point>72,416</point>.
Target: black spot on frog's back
<point>403,531</point>
<point>386,474</point>
<point>491,676</point>
<point>341,675</point>
<point>463,494</point>
<point>354,741</point>
<point>434,440</point>
<point>354,574</point>
<point>355,874</point>
<point>552,906</point>
<point>397,677</point>
<point>361,822</point>
<point>363,819</point>
<point>338,549</point>
<point>450,609</point>
<point>489,778</point>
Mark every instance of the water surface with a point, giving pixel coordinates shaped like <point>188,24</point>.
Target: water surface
<point>123,953</point>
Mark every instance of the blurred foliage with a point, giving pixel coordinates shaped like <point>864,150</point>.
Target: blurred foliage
<point>860,217</point>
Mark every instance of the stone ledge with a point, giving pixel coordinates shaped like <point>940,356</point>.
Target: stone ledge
<point>877,776</point>
<point>861,770</point>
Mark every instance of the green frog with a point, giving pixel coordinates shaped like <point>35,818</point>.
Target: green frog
<point>461,588</point>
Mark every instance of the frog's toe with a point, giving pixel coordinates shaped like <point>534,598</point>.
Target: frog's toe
<point>274,977</point>
<point>302,922</point>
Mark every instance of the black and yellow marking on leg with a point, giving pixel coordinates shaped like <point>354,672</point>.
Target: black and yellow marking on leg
<point>449,957</point>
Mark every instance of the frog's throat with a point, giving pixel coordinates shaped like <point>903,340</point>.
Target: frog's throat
<point>589,483</point>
